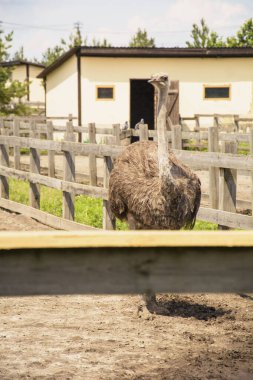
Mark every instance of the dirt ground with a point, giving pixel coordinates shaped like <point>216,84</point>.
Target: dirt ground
<point>102,337</point>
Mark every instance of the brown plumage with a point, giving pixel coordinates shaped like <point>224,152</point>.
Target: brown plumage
<point>136,188</point>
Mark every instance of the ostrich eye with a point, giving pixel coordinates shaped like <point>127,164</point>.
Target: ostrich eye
<point>164,77</point>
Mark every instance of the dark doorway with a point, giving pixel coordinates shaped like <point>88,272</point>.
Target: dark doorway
<point>141,102</point>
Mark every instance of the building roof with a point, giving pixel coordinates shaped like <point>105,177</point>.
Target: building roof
<point>127,52</point>
<point>21,62</point>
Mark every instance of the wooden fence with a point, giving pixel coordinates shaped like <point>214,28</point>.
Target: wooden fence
<point>222,167</point>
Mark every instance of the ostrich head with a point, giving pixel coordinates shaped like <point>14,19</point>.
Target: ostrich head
<point>160,81</point>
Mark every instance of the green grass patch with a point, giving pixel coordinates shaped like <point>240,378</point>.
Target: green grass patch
<point>88,210</point>
<point>201,225</point>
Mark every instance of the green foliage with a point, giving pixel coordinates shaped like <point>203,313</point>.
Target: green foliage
<point>19,55</point>
<point>244,37</point>
<point>102,43</point>
<point>9,90</point>
<point>75,39</point>
<point>5,45</point>
<point>202,37</point>
<point>52,54</point>
<point>140,39</point>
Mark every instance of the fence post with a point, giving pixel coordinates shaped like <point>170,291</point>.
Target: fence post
<point>109,221</point>
<point>34,194</point>
<point>4,161</point>
<point>92,156</point>
<point>68,209</point>
<point>116,133</point>
<point>16,149</point>
<point>251,152</point>
<point>51,153</point>
<point>143,132</point>
<point>213,146</point>
<point>228,179</point>
<point>176,137</point>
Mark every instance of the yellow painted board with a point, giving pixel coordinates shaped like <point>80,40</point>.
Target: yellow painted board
<point>94,239</point>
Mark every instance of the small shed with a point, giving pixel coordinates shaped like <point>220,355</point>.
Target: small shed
<point>109,85</point>
<point>28,72</point>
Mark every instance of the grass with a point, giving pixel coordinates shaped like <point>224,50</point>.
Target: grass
<point>88,210</point>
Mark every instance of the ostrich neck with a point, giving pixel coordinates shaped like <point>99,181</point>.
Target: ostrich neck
<point>162,139</point>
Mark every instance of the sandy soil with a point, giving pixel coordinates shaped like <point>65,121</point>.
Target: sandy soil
<point>101,337</point>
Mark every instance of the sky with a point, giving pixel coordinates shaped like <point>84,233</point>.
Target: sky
<point>39,24</point>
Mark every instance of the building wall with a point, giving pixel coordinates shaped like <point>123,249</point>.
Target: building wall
<point>19,73</point>
<point>37,92</point>
<point>192,74</point>
<point>61,98</point>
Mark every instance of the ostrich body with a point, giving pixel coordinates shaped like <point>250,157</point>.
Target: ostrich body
<point>149,187</point>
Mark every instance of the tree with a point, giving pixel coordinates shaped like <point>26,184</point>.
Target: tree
<point>244,37</point>
<point>52,54</point>
<point>19,55</point>
<point>140,39</point>
<point>98,43</point>
<point>75,39</point>
<point>203,37</point>
<point>10,91</point>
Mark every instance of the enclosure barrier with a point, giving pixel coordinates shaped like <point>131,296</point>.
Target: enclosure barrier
<point>91,262</point>
<point>222,191</point>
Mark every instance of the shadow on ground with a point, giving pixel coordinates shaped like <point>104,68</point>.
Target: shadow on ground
<point>177,307</point>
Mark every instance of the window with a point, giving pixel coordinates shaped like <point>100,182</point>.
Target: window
<point>105,93</point>
<point>217,92</point>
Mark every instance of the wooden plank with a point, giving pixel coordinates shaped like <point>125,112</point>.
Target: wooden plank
<point>4,161</point>
<point>34,192</point>
<point>213,146</point>
<point>92,156</point>
<point>16,150</point>
<point>176,137</point>
<point>109,221</point>
<point>43,217</point>
<point>240,204</point>
<point>77,188</point>
<point>68,208</point>
<point>173,102</point>
<point>51,153</point>
<point>251,152</point>
<point>116,133</point>
<point>95,238</point>
<point>124,270</point>
<point>225,218</point>
<point>207,159</point>
<point>143,132</point>
<point>228,180</point>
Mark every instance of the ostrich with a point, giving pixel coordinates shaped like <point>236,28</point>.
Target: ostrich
<point>150,188</point>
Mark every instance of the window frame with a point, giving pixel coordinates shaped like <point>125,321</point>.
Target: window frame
<point>105,99</point>
<point>217,86</point>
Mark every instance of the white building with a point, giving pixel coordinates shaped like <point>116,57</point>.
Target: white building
<point>27,72</point>
<point>109,85</point>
